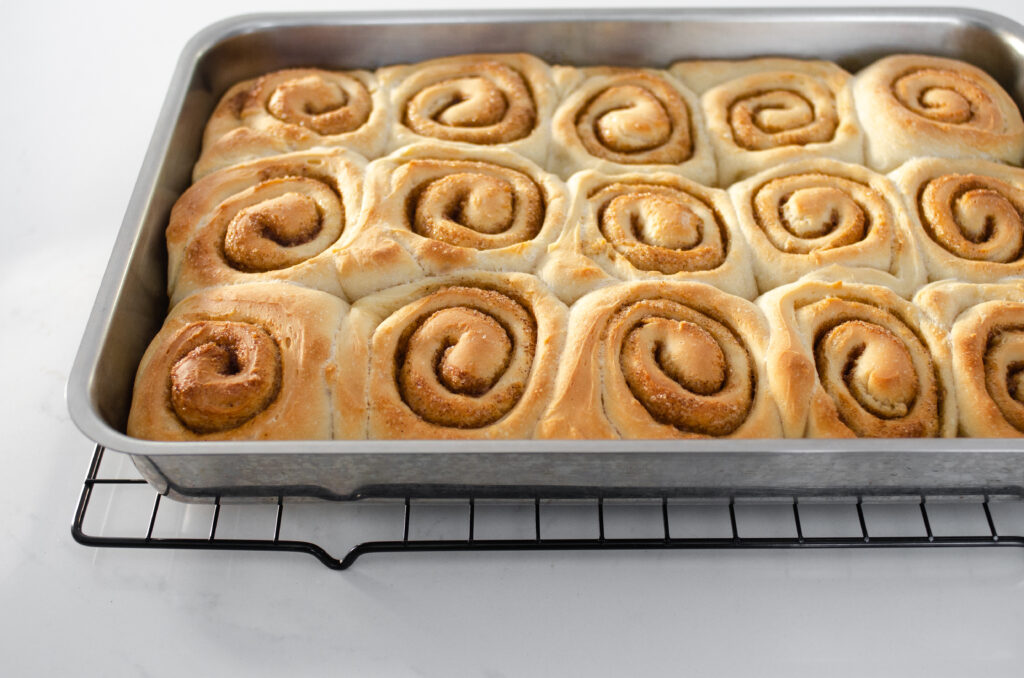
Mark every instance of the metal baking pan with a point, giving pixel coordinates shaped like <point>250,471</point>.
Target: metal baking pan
<point>132,300</point>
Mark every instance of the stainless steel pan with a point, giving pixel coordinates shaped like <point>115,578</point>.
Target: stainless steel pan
<point>132,300</point>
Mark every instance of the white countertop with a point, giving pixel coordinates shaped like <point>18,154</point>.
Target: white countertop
<point>82,85</point>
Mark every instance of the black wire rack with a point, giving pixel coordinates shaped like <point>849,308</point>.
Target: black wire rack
<point>736,536</point>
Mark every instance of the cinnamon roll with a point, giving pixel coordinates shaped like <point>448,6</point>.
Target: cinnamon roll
<point>850,358</point>
<point>280,218</point>
<point>656,226</point>
<point>663,360</point>
<point>986,335</point>
<point>251,362</point>
<point>912,105</point>
<point>763,112</point>
<point>813,213</point>
<point>293,110</point>
<point>491,100</point>
<point>436,208</point>
<point>625,120</point>
<point>471,355</point>
<point>967,217</point>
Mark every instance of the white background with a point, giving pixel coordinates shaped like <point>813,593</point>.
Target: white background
<point>82,84</point>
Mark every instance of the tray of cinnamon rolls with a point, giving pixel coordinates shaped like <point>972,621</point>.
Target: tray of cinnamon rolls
<point>675,252</point>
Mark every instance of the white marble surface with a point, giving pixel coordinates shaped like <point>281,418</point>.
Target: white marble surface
<point>73,141</point>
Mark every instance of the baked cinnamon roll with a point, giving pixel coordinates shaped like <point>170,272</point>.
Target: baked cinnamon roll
<point>763,112</point>
<point>912,105</point>
<point>656,226</point>
<point>850,358</point>
<point>986,336</point>
<point>805,215</point>
<point>471,355</point>
<point>630,120</point>
<point>247,362</point>
<point>663,360</point>
<point>967,217</point>
<point>493,100</point>
<point>280,218</point>
<point>436,208</point>
<point>293,110</point>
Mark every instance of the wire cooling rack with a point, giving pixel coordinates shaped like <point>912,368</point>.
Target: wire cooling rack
<point>531,523</point>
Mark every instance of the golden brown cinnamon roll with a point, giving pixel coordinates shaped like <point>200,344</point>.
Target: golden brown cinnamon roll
<point>850,358</point>
<point>967,217</point>
<point>805,215</point>
<point>471,355</point>
<point>656,226</point>
<point>764,112</point>
<point>248,362</point>
<point>293,110</point>
<point>436,208</point>
<point>281,218</point>
<point>494,100</point>
<point>663,360</point>
<point>630,120</point>
<point>912,105</point>
<point>986,336</point>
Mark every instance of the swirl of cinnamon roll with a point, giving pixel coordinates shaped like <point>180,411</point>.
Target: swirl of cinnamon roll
<point>477,205</point>
<point>636,119</point>
<point>292,110</point>
<point>663,360</point>
<point>974,217</point>
<point>618,119</point>
<point>913,105</point>
<point>873,365</point>
<point>986,333</point>
<point>811,212</point>
<point>487,103</point>
<point>279,217</point>
<point>802,216</point>
<point>685,368</point>
<point>246,361</point>
<point>462,367</point>
<point>877,372</point>
<point>483,99</point>
<point>661,228</point>
<point>1004,372</point>
<point>434,208</point>
<point>647,226</point>
<point>946,96</point>
<point>323,101</point>
<point>794,111</point>
<point>968,216</point>
<point>226,373</point>
<point>281,222</point>
<point>469,356</point>
<point>763,112</point>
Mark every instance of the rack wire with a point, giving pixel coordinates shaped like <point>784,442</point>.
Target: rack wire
<point>921,535</point>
